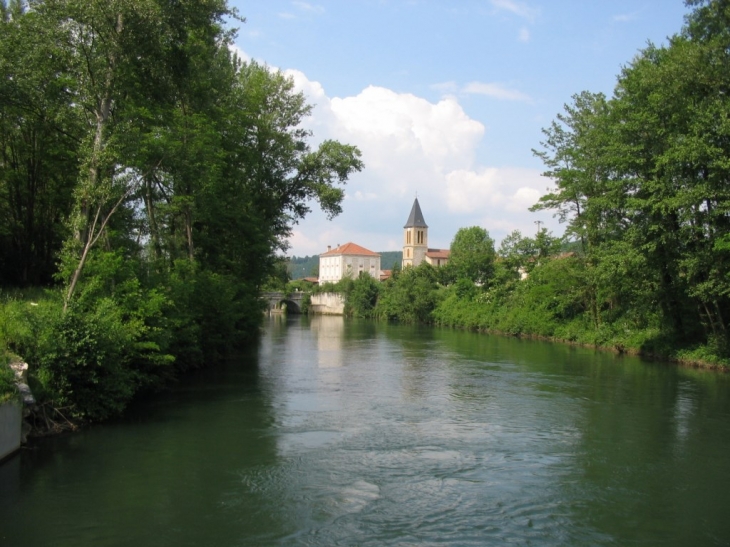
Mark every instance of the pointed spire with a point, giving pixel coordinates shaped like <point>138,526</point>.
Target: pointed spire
<point>415,219</point>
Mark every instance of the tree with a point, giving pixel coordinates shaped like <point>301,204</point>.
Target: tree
<point>642,180</point>
<point>410,296</point>
<point>39,140</point>
<point>362,298</point>
<point>172,172</point>
<point>472,255</point>
<point>577,153</point>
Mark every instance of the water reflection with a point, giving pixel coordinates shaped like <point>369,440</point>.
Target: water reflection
<point>357,433</point>
<point>329,331</point>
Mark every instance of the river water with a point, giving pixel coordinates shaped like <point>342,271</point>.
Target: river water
<point>337,432</point>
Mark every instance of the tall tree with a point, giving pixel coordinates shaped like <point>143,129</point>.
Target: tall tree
<point>472,255</point>
<point>39,141</point>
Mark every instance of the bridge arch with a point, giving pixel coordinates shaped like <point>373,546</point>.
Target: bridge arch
<point>279,302</point>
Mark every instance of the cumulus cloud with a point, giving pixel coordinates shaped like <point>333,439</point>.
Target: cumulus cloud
<point>508,189</point>
<point>497,91</point>
<point>412,146</point>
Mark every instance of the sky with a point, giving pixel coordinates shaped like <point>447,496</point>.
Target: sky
<point>446,99</point>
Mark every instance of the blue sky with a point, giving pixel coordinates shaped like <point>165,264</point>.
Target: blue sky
<point>445,99</point>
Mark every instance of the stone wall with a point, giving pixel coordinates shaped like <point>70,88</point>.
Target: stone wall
<point>327,303</point>
<point>11,419</point>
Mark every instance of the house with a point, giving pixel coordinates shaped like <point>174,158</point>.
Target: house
<point>415,241</point>
<point>438,257</point>
<point>347,260</point>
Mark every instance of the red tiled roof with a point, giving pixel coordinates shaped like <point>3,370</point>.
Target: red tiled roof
<point>350,249</point>
<point>314,280</point>
<point>385,274</point>
<point>438,253</point>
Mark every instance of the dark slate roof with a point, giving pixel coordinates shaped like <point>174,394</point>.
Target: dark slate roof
<point>415,219</point>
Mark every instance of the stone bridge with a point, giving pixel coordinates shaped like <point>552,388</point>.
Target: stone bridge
<point>280,302</point>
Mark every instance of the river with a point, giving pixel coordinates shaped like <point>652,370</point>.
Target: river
<point>336,432</point>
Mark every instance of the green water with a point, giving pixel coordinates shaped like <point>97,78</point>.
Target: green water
<point>355,433</point>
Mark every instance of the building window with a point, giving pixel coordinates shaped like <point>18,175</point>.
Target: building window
<point>408,237</point>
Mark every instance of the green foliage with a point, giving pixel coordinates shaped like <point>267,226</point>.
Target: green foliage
<point>84,360</point>
<point>472,255</point>
<point>411,296</point>
<point>8,389</point>
<point>154,176</point>
<point>93,359</point>
<point>360,301</point>
<point>212,314</point>
<point>641,181</point>
<point>303,266</point>
<point>279,276</point>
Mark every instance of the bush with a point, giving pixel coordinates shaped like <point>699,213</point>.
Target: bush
<point>411,296</point>
<point>362,297</point>
<point>8,388</point>
<point>83,362</point>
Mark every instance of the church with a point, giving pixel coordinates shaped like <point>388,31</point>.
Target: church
<point>415,242</point>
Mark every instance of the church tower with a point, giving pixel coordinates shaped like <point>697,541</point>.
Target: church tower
<point>415,237</point>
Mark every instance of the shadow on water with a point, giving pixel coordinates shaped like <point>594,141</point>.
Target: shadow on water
<point>168,474</point>
<point>644,441</point>
<point>346,432</point>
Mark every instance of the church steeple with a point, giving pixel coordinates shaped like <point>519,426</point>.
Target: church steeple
<point>415,237</point>
<point>415,219</point>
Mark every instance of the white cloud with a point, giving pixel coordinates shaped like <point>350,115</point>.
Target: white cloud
<point>238,52</point>
<point>518,8</point>
<point>524,35</point>
<point>411,145</point>
<point>509,189</point>
<point>287,15</point>
<point>497,91</point>
<point>394,125</point>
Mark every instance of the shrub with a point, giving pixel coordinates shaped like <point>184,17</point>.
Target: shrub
<point>8,389</point>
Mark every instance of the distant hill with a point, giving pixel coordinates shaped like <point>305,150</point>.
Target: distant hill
<point>303,266</point>
<point>388,258</point>
<point>306,266</point>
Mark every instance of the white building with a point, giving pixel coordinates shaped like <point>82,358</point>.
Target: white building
<point>347,260</point>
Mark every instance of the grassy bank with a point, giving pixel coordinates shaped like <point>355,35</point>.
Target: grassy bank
<point>553,303</point>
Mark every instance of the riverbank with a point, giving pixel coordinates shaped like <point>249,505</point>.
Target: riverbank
<point>685,361</point>
<point>551,304</point>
